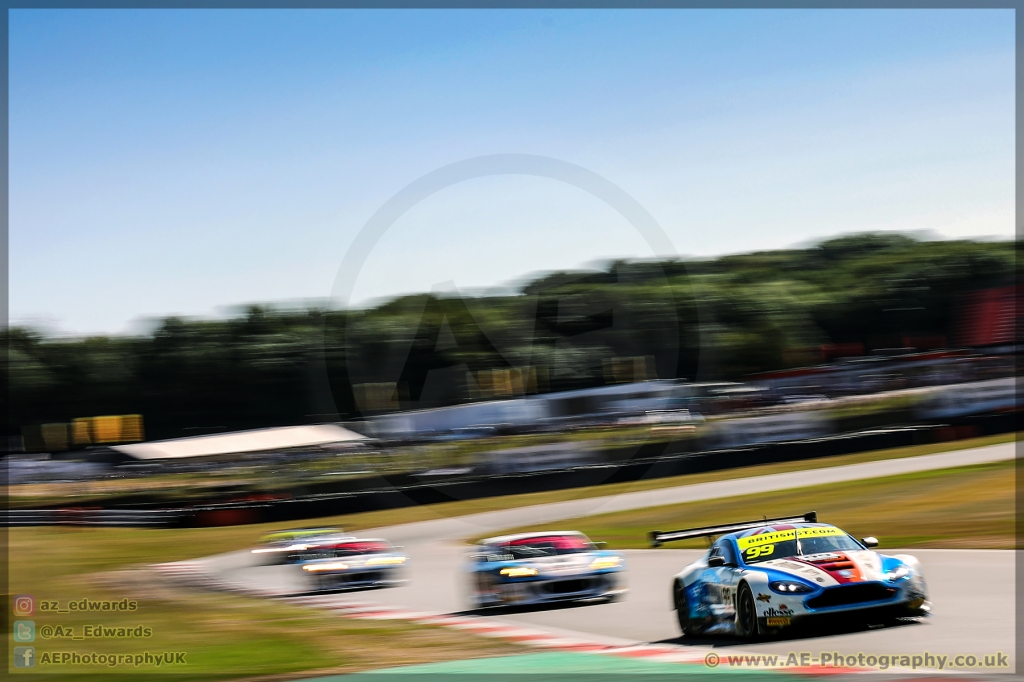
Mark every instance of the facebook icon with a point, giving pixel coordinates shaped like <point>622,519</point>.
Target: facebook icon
<point>24,656</point>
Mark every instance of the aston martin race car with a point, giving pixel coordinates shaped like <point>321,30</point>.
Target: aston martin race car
<point>296,545</point>
<point>538,568</point>
<point>356,563</point>
<point>767,576</point>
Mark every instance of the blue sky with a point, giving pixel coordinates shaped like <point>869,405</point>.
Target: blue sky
<point>183,162</point>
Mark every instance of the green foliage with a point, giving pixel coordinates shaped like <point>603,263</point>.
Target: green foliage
<point>699,319</point>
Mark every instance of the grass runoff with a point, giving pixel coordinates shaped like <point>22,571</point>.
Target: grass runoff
<point>233,636</point>
<point>965,507</point>
<point>223,636</point>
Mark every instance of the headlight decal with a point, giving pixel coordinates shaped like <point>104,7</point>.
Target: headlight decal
<point>518,572</point>
<point>606,562</point>
<point>333,566</point>
<point>898,573</point>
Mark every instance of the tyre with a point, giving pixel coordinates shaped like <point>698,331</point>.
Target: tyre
<point>746,614</point>
<point>682,606</point>
<point>482,592</point>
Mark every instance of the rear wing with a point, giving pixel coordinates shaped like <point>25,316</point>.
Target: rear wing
<point>292,534</point>
<point>658,537</point>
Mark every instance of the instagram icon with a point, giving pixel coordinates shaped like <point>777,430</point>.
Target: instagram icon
<point>24,605</point>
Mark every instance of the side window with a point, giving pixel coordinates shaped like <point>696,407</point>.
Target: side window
<point>493,554</point>
<point>727,552</point>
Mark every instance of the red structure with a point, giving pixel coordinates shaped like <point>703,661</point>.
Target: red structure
<point>989,317</point>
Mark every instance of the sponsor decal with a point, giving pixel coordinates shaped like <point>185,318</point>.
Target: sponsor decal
<point>758,551</point>
<point>814,558</point>
<point>778,622</point>
<point>764,597</point>
<point>782,612</point>
<point>783,535</point>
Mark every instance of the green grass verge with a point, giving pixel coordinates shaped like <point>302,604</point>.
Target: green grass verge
<point>965,507</point>
<point>223,636</point>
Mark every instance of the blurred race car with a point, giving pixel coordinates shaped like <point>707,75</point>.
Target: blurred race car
<point>764,576</point>
<point>299,544</point>
<point>537,568</point>
<point>357,563</point>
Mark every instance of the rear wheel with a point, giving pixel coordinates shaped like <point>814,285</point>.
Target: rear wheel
<point>746,614</point>
<point>682,605</point>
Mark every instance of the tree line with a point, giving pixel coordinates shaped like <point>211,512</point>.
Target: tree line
<point>713,319</point>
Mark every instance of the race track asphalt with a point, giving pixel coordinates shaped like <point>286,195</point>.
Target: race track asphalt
<point>972,591</point>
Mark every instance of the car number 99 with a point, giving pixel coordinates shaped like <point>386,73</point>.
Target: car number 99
<point>755,552</point>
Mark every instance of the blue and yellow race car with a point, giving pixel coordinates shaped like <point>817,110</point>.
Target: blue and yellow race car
<point>539,568</point>
<point>766,576</point>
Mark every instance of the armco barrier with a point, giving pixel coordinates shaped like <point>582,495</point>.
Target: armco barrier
<point>94,517</point>
<point>392,492</point>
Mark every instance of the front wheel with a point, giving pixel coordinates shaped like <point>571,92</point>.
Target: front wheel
<point>746,614</point>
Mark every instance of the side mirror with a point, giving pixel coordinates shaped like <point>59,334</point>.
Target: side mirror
<point>714,561</point>
<point>869,542</point>
<point>600,544</point>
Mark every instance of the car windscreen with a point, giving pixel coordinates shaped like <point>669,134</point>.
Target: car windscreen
<point>361,547</point>
<point>773,544</point>
<point>547,545</point>
<point>832,543</point>
<point>335,550</point>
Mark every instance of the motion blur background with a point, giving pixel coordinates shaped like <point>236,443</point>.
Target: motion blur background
<point>842,181</point>
<point>839,286</point>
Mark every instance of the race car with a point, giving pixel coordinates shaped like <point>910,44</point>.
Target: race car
<point>538,568</point>
<point>299,544</point>
<point>763,577</point>
<point>356,563</point>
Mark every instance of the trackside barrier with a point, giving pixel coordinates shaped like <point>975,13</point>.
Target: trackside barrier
<point>393,492</point>
<point>93,517</point>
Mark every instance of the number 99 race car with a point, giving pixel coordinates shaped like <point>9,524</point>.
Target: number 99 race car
<point>538,568</point>
<point>762,577</point>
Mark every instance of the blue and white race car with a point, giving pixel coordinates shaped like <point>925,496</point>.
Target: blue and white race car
<point>762,577</point>
<point>539,568</point>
